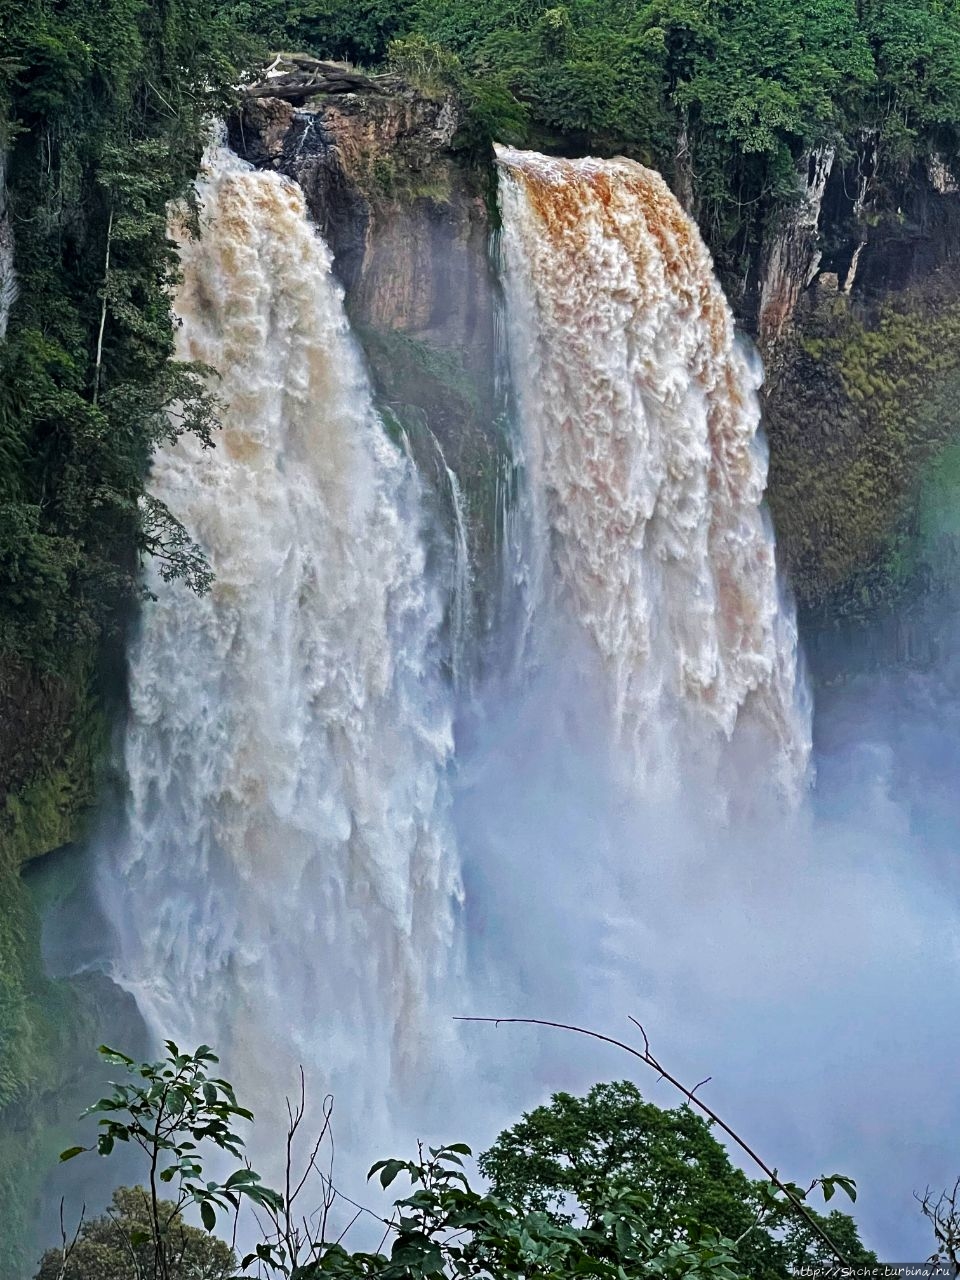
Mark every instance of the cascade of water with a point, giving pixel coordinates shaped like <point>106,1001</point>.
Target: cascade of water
<point>639,416</point>
<point>461,584</point>
<point>8,274</point>
<point>287,887</point>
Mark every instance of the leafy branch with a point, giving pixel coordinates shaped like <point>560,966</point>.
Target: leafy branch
<point>170,1109</point>
<point>792,1193</point>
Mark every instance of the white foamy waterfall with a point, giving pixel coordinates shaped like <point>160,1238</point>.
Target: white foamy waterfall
<point>287,884</point>
<point>645,475</point>
<point>8,274</point>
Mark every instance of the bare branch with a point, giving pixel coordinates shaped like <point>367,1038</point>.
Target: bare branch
<point>67,1247</point>
<point>647,1058</point>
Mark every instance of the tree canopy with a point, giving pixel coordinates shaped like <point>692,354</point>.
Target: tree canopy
<point>118,1245</point>
<point>562,1158</point>
<point>604,1186</point>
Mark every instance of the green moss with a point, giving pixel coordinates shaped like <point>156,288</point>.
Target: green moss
<point>939,514</point>
<point>38,1018</point>
<point>437,400</point>
<point>401,363</point>
<point>428,395</point>
<point>861,407</point>
<point>935,550</point>
<point>390,179</point>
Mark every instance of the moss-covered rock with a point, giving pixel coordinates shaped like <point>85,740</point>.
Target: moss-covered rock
<point>862,403</point>
<point>451,421</point>
<point>49,756</point>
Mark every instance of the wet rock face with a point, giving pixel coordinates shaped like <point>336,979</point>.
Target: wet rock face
<point>862,385</point>
<point>851,232</point>
<point>909,246</point>
<point>407,219</point>
<point>792,251</point>
<point>402,212</point>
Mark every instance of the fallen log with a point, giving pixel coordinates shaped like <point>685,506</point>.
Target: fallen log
<point>308,90</point>
<point>309,76</point>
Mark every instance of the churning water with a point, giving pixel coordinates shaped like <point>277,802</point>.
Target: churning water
<point>327,853</point>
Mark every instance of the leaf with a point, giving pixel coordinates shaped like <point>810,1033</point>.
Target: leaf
<point>70,1153</point>
<point>846,1184</point>
<point>114,1056</point>
<point>389,1170</point>
<point>208,1215</point>
<point>829,1184</point>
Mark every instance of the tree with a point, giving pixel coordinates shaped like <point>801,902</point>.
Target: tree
<point>117,1245</point>
<point>943,1214</point>
<point>600,1186</point>
<point>561,1159</point>
<point>176,1112</point>
<point>104,112</point>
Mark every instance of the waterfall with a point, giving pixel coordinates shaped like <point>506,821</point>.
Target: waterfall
<point>287,882</point>
<point>461,572</point>
<point>8,274</point>
<point>289,871</point>
<point>639,415</point>
<point>287,885</point>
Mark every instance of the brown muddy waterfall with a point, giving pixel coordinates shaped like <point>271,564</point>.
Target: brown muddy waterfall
<point>339,833</point>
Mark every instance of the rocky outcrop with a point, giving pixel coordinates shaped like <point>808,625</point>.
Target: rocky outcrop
<point>863,380</point>
<point>403,213</point>
<point>854,231</point>
<point>792,251</point>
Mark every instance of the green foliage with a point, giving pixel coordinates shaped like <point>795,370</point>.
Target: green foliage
<point>604,1186</point>
<point>860,408</point>
<point>353,30</point>
<point>443,1227</point>
<point>118,1244</point>
<point>446,1228</point>
<point>106,111</point>
<point>561,1160</point>
<point>916,45</point>
<point>175,1111</point>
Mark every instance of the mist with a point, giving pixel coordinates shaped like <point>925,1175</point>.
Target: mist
<point>807,961</point>
<point>631,842</point>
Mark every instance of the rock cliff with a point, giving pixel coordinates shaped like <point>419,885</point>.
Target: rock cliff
<point>857,231</point>
<point>407,216</point>
<point>859,325</point>
<point>406,220</point>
